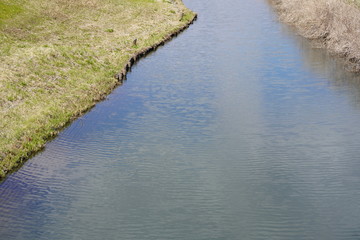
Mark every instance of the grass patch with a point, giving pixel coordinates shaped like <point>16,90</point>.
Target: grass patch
<point>58,58</point>
<point>8,10</point>
<point>356,2</point>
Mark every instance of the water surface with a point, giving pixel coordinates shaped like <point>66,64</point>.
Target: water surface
<point>237,129</point>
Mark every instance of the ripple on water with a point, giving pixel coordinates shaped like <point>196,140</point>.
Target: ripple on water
<point>233,130</point>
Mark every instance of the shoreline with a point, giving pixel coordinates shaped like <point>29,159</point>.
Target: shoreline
<point>329,24</point>
<point>121,76</point>
<point>28,146</point>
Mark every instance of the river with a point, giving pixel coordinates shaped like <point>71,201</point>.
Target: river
<point>236,129</point>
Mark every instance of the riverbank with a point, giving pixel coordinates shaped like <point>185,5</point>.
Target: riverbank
<point>332,24</point>
<point>59,57</point>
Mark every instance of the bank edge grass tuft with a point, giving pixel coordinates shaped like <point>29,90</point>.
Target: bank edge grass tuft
<point>332,23</point>
<point>59,57</point>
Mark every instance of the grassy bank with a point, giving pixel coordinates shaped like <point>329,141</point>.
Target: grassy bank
<point>59,57</point>
<point>333,23</point>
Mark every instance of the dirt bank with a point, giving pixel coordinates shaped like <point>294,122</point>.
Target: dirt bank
<point>333,24</point>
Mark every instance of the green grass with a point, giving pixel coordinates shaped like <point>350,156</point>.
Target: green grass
<point>58,58</point>
<point>8,10</point>
<point>356,2</point>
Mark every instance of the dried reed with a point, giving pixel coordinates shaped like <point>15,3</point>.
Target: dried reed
<point>334,23</point>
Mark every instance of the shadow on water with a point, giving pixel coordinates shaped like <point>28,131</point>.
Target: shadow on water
<point>329,66</point>
<point>332,68</point>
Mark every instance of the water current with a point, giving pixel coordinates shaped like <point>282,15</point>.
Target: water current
<point>236,129</point>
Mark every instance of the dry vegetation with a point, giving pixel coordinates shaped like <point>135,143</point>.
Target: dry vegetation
<point>334,23</point>
<point>58,57</point>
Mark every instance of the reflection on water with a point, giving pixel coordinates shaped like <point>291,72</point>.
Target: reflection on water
<point>237,129</point>
<point>322,63</point>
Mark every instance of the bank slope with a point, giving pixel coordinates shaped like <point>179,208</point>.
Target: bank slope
<point>332,23</point>
<point>59,57</point>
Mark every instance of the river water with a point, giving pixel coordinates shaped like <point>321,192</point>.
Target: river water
<point>236,129</point>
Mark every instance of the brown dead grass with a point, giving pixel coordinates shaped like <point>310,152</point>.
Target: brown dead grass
<point>334,23</point>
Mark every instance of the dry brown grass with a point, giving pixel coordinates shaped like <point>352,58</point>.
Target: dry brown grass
<point>334,23</point>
